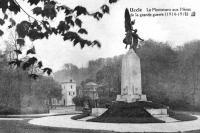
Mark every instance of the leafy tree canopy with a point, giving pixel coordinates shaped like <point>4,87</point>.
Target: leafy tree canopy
<point>35,29</point>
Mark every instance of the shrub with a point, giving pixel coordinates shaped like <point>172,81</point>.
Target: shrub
<point>104,102</point>
<point>80,101</point>
<point>4,110</point>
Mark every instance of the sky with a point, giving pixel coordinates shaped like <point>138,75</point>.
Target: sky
<point>176,30</point>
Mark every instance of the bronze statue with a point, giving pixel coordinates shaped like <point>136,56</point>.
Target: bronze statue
<point>131,37</point>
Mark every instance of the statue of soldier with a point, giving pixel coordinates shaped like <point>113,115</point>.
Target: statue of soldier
<point>135,38</point>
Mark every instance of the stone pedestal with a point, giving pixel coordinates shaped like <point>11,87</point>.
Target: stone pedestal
<point>131,90</point>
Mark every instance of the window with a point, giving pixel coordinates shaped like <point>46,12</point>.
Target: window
<point>73,93</point>
<point>70,80</point>
<point>69,93</point>
<point>54,101</point>
<point>71,86</point>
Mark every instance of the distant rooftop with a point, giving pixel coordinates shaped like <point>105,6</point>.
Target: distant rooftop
<point>68,81</point>
<point>91,84</point>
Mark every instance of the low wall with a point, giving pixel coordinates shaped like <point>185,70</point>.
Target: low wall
<point>161,111</point>
<point>63,110</point>
<point>98,111</point>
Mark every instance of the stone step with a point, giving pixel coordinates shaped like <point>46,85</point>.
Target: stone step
<point>161,114</point>
<point>160,111</point>
<point>157,116</point>
<point>165,118</point>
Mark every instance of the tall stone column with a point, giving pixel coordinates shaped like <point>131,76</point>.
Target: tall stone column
<point>131,74</point>
<point>131,90</point>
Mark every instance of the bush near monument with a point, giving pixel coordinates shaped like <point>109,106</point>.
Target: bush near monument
<point>104,102</point>
<point>82,100</point>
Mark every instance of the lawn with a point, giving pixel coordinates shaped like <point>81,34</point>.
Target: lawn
<point>13,126</point>
<point>181,116</point>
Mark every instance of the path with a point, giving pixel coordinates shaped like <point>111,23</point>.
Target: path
<point>65,121</point>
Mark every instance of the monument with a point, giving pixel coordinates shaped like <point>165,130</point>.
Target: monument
<point>131,105</point>
<point>131,89</point>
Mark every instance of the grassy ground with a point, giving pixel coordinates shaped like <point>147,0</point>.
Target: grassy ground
<point>122,112</point>
<point>126,120</point>
<point>12,126</point>
<point>23,127</point>
<point>181,116</point>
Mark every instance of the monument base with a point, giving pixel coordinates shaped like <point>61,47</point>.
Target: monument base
<point>131,98</point>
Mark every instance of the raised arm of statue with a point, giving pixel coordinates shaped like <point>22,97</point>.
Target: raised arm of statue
<point>140,38</point>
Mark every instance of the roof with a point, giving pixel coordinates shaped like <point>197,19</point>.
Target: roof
<point>91,84</point>
<point>68,81</point>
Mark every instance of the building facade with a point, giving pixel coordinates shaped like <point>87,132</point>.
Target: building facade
<point>68,93</point>
<point>90,90</point>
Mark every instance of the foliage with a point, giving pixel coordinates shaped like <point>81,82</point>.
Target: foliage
<point>81,101</point>
<point>49,87</point>
<point>109,76</point>
<point>35,28</point>
<point>49,10</point>
<point>104,102</point>
<point>4,110</point>
<point>78,101</point>
<point>24,59</point>
<point>168,74</point>
<point>18,92</point>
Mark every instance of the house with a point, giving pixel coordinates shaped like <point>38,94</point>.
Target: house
<point>68,92</point>
<point>90,90</point>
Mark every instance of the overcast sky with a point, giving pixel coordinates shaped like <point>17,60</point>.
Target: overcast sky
<point>110,31</point>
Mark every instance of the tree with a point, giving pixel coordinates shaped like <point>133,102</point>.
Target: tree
<point>47,88</point>
<point>158,67</point>
<point>189,70</point>
<point>19,93</point>
<point>35,28</point>
<point>110,75</point>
